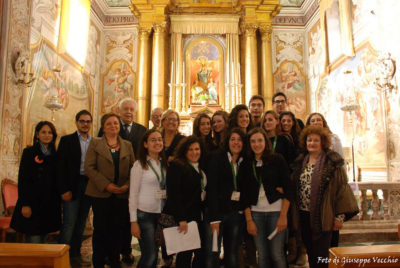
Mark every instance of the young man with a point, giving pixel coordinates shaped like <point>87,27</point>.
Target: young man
<point>256,106</point>
<point>72,183</point>
<point>279,103</point>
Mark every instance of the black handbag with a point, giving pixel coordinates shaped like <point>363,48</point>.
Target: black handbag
<point>164,221</point>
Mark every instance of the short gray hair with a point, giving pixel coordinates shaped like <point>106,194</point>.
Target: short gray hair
<point>128,100</point>
<point>156,109</point>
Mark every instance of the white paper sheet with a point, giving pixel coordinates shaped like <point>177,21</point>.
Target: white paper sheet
<point>273,234</point>
<point>177,242</point>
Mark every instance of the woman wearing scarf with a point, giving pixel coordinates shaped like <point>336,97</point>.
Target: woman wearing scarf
<point>324,199</point>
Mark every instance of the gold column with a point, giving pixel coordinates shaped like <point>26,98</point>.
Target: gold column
<point>158,67</point>
<point>142,79</point>
<point>180,103</point>
<point>267,83</point>
<point>251,66</point>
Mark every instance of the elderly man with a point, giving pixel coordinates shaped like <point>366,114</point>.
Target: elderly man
<point>132,132</point>
<point>279,103</point>
<point>155,117</point>
<point>256,107</point>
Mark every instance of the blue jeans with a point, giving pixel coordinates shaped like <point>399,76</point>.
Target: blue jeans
<point>74,219</point>
<point>270,252</point>
<point>148,246</point>
<point>36,239</point>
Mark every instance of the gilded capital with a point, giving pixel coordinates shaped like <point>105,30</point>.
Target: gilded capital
<point>266,31</point>
<point>249,29</point>
<point>160,27</point>
<point>144,31</point>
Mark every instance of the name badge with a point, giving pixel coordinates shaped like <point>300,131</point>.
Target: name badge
<point>203,195</point>
<point>235,196</point>
<point>261,194</point>
<point>161,194</point>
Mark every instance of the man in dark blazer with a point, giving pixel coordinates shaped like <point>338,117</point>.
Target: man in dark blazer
<point>72,182</point>
<point>132,132</point>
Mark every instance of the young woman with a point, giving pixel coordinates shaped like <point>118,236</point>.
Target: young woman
<point>324,200</point>
<point>108,162</point>
<point>169,128</point>
<point>202,130</point>
<point>240,117</point>
<point>186,191</point>
<point>266,205</point>
<point>280,143</point>
<point>290,126</point>
<point>147,195</point>
<point>38,209</point>
<point>223,195</point>
<point>219,122</point>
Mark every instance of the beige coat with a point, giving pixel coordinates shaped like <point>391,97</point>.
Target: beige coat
<point>99,167</point>
<point>336,196</point>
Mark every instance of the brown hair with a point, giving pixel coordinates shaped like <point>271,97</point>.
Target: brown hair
<point>257,97</point>
<point>324,123</point>
<point>143,152</point>
<point>278,130</point>
<point>233,117</point>
<point>266,156</point>
<point>219,137</point>
<point>320,131</point>
<point>105,117</point>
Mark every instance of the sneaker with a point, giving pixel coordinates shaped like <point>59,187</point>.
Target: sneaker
<point>128,259</point>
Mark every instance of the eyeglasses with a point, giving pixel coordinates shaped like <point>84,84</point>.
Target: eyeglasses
<point>279,101</point>
<point>81,121</point>
<point>171,119</point>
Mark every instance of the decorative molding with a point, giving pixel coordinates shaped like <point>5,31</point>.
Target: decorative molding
<point>300,18</point>
<point>160,27</point>
<point>114,20</point>
<point>266,31</point>
<point>249,29</point>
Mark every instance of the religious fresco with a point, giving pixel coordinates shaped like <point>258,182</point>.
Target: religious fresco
<point>69,89</point>
<point>292,3</point>
<point>118,3</point>
<point>204,73</point>
<point>117,83</point>
<point>369,127</point>
<point>290,79</point>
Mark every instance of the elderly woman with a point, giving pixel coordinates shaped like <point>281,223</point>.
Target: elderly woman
<point>108,162</point>
<point>170,132</point>
<point>324,199</point>
<point>38,209</point>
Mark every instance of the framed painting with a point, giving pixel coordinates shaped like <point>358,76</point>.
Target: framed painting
<point>204,71</point>
<point>117,83</point>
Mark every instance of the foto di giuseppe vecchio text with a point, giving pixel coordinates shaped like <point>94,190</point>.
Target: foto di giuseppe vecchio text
<point>360,261</point>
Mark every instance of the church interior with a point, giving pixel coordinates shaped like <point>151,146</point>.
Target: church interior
<point>335,57</point>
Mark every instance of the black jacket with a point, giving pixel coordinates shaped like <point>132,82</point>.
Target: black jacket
<point>69,164</point>
<point>37,188</point>
<point>135,136</point>
<point>220,186</point>
<point>274,174</point>
<point>183,193</point>
<point>285,147</point>
<point>171,148</point>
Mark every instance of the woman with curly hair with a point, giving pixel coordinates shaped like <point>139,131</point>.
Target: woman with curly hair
<point>324,200</point>
<point>240,117</point>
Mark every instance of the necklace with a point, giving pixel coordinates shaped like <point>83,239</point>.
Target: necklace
<point>113,147</point>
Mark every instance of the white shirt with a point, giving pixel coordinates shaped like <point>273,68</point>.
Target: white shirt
<point>143,187</point>
<point>262,204</point>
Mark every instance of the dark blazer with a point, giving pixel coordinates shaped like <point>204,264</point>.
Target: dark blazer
<point>99,167</point>
<point>69,164</point>
<point>171,149</point>
<point>183,192</point>
<point>135,136</point>
<point>285,147</point>
<point>274,174</point>
<point>220,186</point>
<point>37,188</point>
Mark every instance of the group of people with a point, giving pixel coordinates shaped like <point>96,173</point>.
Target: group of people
<point>254,177</point>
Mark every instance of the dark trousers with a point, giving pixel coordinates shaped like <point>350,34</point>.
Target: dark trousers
<point>184,259</point>
<point>317,249</point>
<point>108,223</point>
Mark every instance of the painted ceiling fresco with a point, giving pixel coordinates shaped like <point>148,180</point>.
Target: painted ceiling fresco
<point>292,3</point>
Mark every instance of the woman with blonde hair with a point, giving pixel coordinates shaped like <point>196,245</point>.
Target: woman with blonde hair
<point>170,131</point>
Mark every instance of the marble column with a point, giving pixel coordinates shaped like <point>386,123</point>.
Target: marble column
<point>267,83</point>
<point>251,66</point>
<point>143,76</point>
<point>158,78</point>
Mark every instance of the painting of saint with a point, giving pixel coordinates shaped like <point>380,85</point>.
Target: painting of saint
<point>118,83</point>
<point>290,79</point>
<point>204,69</point>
